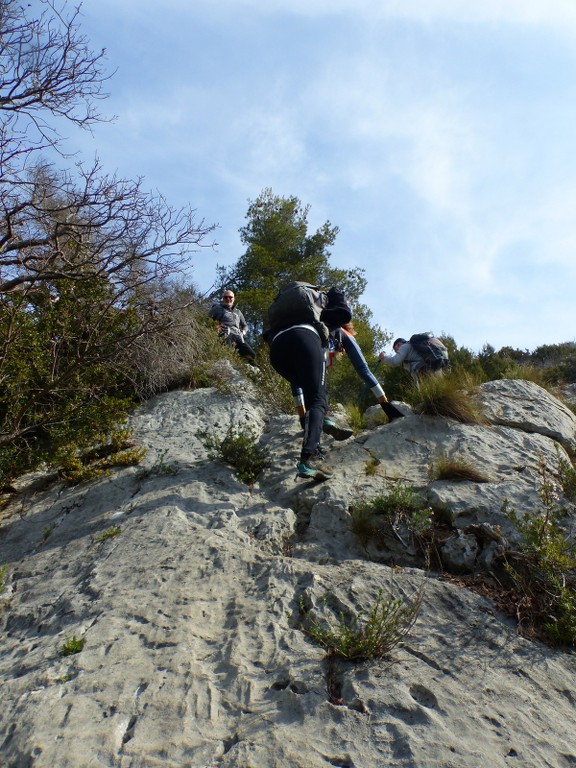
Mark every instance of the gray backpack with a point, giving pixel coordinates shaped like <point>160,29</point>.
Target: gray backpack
<point>431,350</point>
<point>297,303</point>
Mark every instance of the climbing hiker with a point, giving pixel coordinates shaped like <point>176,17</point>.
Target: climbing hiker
<point>344,341</point>
<point>296,353</point>
<point>297,335</point>
<point>422,355</point>
<point>232,326</point>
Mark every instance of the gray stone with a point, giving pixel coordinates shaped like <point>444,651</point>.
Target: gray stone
<point>194,653</point>
<point>460,552</point>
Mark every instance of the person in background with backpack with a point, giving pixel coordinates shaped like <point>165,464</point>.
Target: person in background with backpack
<point>344,341</point>
<point>416,357</point>
<point>232,326</point>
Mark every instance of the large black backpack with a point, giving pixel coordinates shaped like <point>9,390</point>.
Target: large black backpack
<point>431,350</point>
<point>297,302</point>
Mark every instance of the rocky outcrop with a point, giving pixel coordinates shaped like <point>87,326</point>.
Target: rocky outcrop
<point>185,587</point>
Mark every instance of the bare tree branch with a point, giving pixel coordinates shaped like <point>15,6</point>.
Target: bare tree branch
<point>86,258</point>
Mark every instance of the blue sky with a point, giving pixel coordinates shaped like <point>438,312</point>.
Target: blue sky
<point>439,137</point>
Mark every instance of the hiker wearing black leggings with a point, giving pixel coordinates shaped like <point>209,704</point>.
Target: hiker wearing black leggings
<point>297,354</point>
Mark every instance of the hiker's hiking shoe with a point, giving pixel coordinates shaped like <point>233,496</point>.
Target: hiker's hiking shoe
<point>319,453</point>
<point>313,468</point>
<point>338,433</point>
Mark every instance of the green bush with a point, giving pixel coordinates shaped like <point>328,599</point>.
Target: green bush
<point>567,478</point>
<point>400,512</point>
<point>367,635</point>
<point>240,449</point>
<point>71,646</point>
<point>116,450</point>
<point>60,384</point>
<point>544,569</point>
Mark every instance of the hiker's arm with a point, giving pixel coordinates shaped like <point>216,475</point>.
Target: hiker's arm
<point>352,349</point>
<point>398,358</point>
<point>242,324</point>
<point>218,314</point>
<point>216,311</point>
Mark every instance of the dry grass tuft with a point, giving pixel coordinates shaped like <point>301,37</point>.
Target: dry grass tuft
<point>450,396</point>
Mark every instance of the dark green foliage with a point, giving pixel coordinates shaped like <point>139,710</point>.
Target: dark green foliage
<point>463,359</point>
<point>71,646</point>
<point>280,249</point>
<point>397,383</point>
<point>61,385</point>
<point>544,569</point>
<point>548,364</point>
<point>240,449</point>
<point>567,474</point>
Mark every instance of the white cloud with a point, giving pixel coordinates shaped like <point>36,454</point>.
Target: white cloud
<point>430,132</point>
<point>557,14</point>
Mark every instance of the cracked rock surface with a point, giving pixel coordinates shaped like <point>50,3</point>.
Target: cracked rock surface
<point>193,656</point>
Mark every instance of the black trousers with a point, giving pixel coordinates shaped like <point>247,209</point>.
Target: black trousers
<point>242,347</point>
<point>298,356</point>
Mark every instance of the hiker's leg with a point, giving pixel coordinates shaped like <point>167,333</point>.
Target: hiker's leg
<point>298,356</point>
<point>244,349</point>
<point>298,396</point>
<point>313,382</point>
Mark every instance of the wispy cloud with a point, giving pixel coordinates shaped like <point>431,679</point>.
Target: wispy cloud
<point>559,14</point>
<point>436,134</point>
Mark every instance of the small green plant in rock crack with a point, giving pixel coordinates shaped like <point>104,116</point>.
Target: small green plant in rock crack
<point>367,635</point>
<point>567,476</point>
<point>401,509</point>
<point>46,533</point>
<point>110,533</point>
<point>160,467</point>
<point>240,449</point>
<point>371,466</point>
<point>65,678</point>
<point>544,568</point>
<point>71,646</point>
<point>3,570</point>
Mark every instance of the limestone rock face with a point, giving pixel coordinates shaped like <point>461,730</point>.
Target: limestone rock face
<point>190,612</point>
<point>526,406</point>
